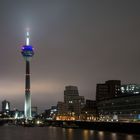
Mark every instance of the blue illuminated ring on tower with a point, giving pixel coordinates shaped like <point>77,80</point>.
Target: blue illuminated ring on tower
<point>27,51</point>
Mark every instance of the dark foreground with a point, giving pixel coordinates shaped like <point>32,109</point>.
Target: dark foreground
<point>58,133</point>
<point>121,127</point>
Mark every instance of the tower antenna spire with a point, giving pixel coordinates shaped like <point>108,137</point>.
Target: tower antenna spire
<point>27,37</point>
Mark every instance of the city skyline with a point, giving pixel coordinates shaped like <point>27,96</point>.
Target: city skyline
<point>77,43</point>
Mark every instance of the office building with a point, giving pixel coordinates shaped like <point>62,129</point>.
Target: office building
<point>73,101</point>
<point>62,108</point>
<point>89,112</point>
<point>107,90</point>
<point>122,108</point>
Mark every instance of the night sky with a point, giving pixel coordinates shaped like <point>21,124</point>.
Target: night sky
<point>77,42</point>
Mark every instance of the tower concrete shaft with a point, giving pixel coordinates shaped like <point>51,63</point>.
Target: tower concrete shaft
<point>27,106</point>
<point>27,52</point>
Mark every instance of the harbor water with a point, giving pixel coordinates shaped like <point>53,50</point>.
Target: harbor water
<point>58,133</point>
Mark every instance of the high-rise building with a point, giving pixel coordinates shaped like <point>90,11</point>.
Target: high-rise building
<point>62,108</point>
<point>27,52</point>
<point>5,106</point>
<point>109,89</point>
<point>72,99</point>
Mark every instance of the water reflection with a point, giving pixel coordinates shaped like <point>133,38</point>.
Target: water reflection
<point>91,132</point>
<point>73,134</point>
<point>86,134</point>
<point>57,133</point>
<point>70,134</point>
<point>113,136</point>
<point>101,135</point>
<point>129,137</point>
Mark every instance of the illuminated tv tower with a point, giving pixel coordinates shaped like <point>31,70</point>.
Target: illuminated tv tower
<point>27,52</point>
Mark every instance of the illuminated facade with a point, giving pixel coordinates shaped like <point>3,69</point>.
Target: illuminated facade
<point>130,89</point>
<point>27,52</point>
<point>89,111</point>
<point>123,108</point>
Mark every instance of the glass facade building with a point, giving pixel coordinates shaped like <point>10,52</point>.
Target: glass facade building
<point>125,108</point>
<point>130,89</point>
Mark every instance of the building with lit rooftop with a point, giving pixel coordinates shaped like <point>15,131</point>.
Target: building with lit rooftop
<point>123,108</point>
<point>123,105</point>
<point>130,89</point>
